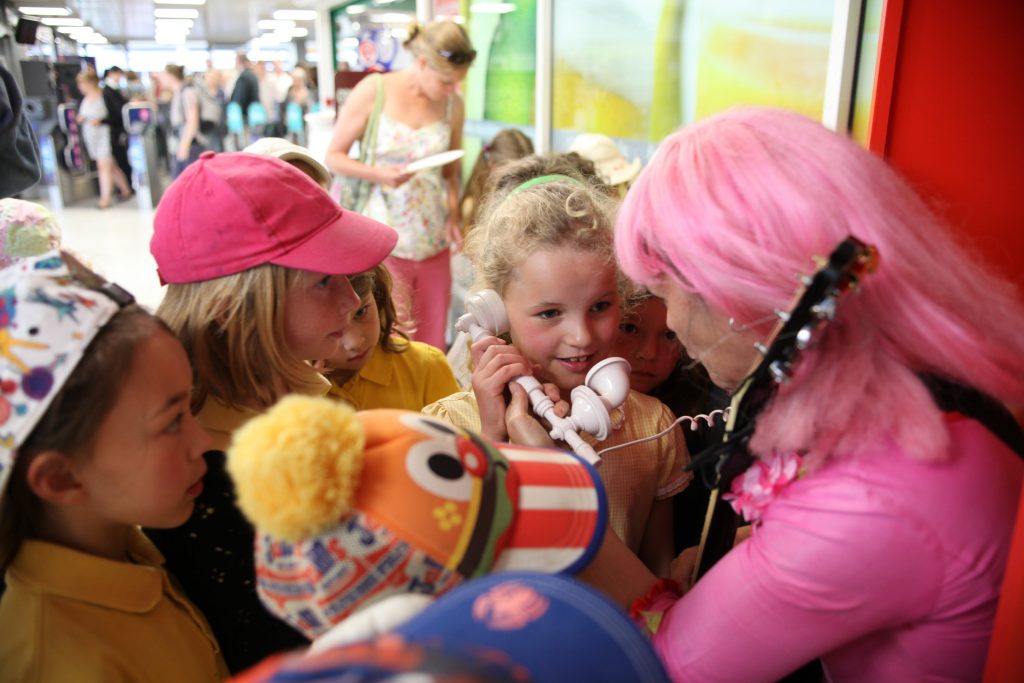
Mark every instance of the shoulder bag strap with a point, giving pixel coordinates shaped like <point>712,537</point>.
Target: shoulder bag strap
<point>368,145</point>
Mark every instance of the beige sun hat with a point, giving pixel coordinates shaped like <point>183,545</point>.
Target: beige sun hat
<point>289,151</point>
<point>611,166</point>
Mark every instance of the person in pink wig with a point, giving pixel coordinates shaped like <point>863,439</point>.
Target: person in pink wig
<point>882,514</point>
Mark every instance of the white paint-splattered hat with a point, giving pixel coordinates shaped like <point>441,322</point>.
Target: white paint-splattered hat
<point>48,317</point>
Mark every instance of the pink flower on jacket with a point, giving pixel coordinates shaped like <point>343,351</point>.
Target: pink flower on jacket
<point>755,489</point>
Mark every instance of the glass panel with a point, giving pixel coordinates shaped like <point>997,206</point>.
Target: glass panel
<point>370,34</point>
<point>863,94</point>
<point>636,71</point>
<point>499,88</point>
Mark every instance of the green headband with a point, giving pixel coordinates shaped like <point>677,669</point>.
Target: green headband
<point>540,180</point>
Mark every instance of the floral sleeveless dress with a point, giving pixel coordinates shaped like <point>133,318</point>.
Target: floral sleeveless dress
<point>418,208</point>
<point>96,138</point>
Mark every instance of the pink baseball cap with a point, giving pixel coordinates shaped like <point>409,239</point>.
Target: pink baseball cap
<point>230,212</point>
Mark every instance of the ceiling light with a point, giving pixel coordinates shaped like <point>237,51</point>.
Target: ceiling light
<point>45,11</point>
<point>274,24</point>
<point>391,18</point>
<point>184,23</point>
<point>176,13</point>
<point>492,7</point>
<point>179,2</point>
<point>63,21</point>
<point>351,9</point>
<point>286,34</point>
<point>74,29</point>
<point>295,14</point>
<point>272,38</point>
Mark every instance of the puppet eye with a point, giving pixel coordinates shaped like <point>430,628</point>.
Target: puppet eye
<point>438,469</point>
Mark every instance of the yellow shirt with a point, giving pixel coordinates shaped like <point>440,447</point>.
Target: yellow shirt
<point>634,477</point>
<point>70,616</point>
<point>409,380</point>
<point>221,420</point>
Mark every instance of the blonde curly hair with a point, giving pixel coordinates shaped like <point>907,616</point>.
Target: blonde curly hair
<point>567,209</point>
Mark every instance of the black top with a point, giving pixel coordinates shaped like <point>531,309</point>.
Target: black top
<point>114,101</point>
<point>212,556</point>
<point>18,156</point>
<point>690,392</point>
<point>246,91</point>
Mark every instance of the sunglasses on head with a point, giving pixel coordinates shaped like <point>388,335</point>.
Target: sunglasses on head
<point>458,56</point>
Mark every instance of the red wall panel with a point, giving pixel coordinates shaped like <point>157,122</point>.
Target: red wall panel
<point>949,114</point>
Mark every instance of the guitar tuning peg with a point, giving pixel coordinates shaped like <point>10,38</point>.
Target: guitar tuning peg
<point>826,309</point>
<point>805,280</point>
<point>804,337</point>
<point>819,262</point>
<point>761,348</point>
<point>780,371</point>
<point>782,315</point>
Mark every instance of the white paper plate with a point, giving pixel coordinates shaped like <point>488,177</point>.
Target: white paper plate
<point>435,160</point>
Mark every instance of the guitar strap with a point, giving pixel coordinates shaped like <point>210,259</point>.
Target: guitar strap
<point>969,402</point>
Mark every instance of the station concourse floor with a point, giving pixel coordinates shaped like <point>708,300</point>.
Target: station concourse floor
<point>115,243</point>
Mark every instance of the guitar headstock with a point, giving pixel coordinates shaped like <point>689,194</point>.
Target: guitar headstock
<point>816,305</point>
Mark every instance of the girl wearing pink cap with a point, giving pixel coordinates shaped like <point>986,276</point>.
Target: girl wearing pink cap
<point>886,488</point>
<point>257,258</point>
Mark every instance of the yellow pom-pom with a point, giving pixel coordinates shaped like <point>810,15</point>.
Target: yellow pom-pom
<point>297,467</point>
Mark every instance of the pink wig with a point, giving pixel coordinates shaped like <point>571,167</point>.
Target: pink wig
<point>740,203</point>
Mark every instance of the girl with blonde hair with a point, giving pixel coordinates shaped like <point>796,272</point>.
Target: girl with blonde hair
<point>257,257</point>
<point>545,246</point>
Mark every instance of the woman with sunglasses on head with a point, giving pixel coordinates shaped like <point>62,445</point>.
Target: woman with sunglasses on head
<point>421,115</point>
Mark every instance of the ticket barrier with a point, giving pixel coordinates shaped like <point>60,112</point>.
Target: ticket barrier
<point>41,113</point>
<point>71,167</point>
<point>140,124</point>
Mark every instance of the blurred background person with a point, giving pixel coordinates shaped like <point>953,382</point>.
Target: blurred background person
<point>114,99</point>
<point>93,120</point>
<point>185,142</point>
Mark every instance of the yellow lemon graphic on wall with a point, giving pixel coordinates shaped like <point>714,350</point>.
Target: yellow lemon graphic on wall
<point>739,53</point>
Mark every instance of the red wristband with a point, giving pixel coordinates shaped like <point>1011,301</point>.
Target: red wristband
<point>646,614</point>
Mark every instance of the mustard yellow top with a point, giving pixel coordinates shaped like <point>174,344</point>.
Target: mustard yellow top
<point>221,420</point>
<point>70,616</point>
<point>634,477</point>
<point>409,380</point>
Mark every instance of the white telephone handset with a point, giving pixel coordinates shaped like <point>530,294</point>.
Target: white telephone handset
<point>604,389</point>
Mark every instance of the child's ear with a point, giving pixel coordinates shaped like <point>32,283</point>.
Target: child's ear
<point>52,478</point>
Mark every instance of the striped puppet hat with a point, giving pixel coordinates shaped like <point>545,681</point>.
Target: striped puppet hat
<point>354,507</point>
